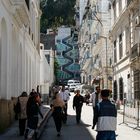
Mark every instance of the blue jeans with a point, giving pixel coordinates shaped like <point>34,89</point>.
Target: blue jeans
<point>106,135</point>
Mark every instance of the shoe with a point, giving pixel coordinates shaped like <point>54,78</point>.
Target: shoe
<point>26,134</point>
<point>78,121</point>
<point>58,135</point>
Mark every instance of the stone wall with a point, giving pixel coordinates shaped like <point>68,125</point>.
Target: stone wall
<point>6,113</point>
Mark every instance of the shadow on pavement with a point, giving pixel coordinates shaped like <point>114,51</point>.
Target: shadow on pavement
<point>12,132</point>
<point>70,131</point>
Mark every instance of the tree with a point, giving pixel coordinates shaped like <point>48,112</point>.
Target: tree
<point>56,13</point>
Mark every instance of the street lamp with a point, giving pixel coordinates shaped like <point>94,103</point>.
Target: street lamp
<point>106,60</point>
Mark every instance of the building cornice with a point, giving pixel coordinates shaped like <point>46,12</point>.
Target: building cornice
<point>20,12</point>
<point>119,21</point>
<point>121,61</point>
<point>124,15</point>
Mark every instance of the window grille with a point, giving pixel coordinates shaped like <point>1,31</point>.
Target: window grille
<point>137,84</point>
<point>121,88</point>
<point>115,90</point>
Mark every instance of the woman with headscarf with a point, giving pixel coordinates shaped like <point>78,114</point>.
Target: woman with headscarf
<point>57,108</point>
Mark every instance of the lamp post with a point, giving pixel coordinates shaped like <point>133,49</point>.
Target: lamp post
<point>106,60</point>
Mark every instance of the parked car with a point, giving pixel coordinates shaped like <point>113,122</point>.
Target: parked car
<point>72,87</point>
<point>76,82</point>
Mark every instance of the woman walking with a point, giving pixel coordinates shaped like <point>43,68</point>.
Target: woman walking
<point>57,107</point>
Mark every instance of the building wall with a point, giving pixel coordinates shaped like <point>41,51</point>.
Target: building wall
<point>95,42</point>
<point>124,23</point>
<point>20,60</point>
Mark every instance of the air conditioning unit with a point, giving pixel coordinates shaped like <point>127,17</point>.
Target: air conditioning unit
<point>137,21</point>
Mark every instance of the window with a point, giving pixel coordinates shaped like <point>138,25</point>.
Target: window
<point>121,88</point>
<point>115,52</point>
<point>120,46</point>
<point>115,90</point>
<point>48,58</point>
<point>114,9</point>
<point>120,6</point>
<point>110,62</point>
<point>137,84</point>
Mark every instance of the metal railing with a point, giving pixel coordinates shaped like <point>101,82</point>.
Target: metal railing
<point>131,114</point>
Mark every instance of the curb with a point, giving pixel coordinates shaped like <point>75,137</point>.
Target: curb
<point>41,125</point>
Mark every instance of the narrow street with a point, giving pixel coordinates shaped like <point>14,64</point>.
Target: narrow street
<point>72,131</point>
<point>83,131</point>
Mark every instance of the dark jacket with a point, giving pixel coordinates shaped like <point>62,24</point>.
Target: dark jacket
<point>78,101</point>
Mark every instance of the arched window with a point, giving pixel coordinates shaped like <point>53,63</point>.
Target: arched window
<point>115,96</point>
<point>121,88</point>
<point>137,84</point>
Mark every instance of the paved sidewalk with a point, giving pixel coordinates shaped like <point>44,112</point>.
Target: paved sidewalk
<point>12,132</point>
<point>126,131</point>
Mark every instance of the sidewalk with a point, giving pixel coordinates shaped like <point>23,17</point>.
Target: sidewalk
<point>126,131</point>
<point>12,132</point>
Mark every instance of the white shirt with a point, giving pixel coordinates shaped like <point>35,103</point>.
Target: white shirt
<point>64,95</point>
<point>93,97</point>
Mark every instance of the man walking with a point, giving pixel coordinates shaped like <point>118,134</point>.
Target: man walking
<point>105,117</point>
<point>95,97</point>
<point>77,104</point>
<point>65,97</point>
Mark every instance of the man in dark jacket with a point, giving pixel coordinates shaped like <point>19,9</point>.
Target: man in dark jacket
<point>77,104</point>
<point>105,117</point>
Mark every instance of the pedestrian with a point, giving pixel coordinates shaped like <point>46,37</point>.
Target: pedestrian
<point>95,98</point>
<point>78,101</point>
<point>22,117</point>
<point>64,95</point>
<point>105,118</point>
<point>87,98</point>
<point>33,110</point>
<point>57,111</point>
<point>38,91</point>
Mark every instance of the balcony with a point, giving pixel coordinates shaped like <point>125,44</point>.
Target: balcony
<point>21,11</point>
<point>135,51</point>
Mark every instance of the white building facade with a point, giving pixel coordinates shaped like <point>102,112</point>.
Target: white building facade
<point>46,70</point>
<point>95,48</point>
<point>19,49</point>
<point>125,40</point>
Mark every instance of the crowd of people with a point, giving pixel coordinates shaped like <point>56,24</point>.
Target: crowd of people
<point>104,111</point>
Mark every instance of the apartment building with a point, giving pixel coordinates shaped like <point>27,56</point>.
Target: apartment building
<point>95,48</point>
<point>19,51</point>
<point>125,45</point>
